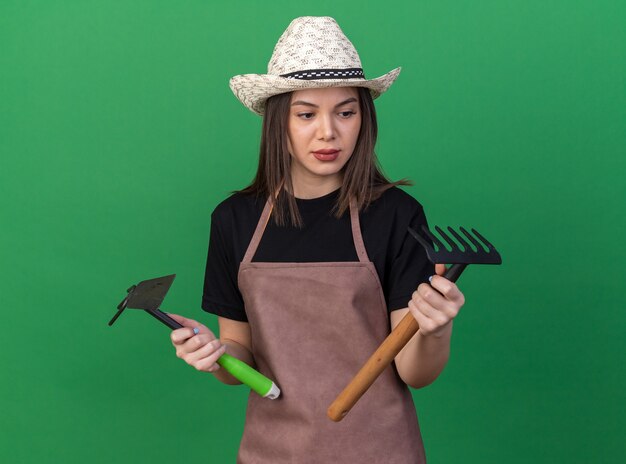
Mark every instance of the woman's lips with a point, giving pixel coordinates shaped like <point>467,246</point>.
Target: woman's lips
<point>327,154</point>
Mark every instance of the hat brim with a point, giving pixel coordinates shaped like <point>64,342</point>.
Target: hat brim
<point>254,89</point>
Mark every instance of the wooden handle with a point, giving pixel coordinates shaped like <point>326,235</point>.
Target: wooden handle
<point>382,357</point>
<point>377,363</point>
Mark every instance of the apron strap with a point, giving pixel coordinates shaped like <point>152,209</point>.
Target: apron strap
<point>357,237</point>
<point>258,233</point>
<point>356,232</point>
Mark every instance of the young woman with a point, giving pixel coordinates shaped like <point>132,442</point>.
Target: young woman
<point>311,265</point>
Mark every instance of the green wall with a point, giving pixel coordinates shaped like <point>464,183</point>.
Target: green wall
<point>119,135</point>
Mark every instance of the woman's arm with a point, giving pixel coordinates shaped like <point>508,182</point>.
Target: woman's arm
<point>423,358</point>
<point>434,307</point>
<point>235,336</point>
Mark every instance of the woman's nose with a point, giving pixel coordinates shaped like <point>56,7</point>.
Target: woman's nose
<point>326,128</point>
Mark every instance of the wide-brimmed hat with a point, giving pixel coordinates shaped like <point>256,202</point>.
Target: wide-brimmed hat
<point>313,52</point>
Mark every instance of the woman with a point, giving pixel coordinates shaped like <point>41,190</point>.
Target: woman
<point>310,265</point>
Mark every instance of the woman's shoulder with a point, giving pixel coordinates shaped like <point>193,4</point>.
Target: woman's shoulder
<point>236,206</point>
<point>394,200</point>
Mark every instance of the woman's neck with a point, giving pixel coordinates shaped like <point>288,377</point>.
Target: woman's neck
<point>314,188</point>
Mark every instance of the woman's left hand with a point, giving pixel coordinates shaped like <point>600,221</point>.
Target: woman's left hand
<point>434,306</point>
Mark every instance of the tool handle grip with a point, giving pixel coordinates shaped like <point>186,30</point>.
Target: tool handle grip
<point>249,376</point>
<point>381,358</point>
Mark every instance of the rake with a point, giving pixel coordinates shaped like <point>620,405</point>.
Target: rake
<point>481,253</point>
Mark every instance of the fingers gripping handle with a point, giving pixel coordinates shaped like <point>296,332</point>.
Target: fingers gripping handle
<point>381,358</point>
<point>237,368</point>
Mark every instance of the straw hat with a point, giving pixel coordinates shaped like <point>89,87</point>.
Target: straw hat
<point>313,52</point>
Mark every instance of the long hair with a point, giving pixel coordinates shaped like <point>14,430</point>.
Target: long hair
<point>363,177</point>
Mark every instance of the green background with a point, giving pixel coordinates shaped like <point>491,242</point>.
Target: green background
<point>119,135</point>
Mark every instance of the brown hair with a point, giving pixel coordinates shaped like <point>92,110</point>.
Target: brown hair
<point>363,178</point>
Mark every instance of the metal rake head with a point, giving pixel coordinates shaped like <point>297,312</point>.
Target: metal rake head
<point>482,253</point>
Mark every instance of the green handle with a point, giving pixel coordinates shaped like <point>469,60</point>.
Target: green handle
<point>247,375</point>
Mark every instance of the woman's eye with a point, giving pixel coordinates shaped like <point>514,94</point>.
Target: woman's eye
<point>342,114</point>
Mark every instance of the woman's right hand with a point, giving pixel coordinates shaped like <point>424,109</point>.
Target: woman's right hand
<point>199,348</point>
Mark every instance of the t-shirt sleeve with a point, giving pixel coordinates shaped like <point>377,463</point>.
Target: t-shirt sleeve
<point>410,265</point>
<point>221,294</point>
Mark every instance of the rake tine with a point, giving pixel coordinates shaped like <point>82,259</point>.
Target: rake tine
<point>460,239</point>
<point>421,240</point>
<point>479,246</point>
<point>489,245</point>
<point>434,238</point>
<point>453,245</point>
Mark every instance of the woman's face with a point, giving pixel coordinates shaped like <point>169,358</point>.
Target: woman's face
<point>322,131</point>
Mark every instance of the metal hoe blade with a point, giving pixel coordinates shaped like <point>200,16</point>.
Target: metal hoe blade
<point>148,295</point>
